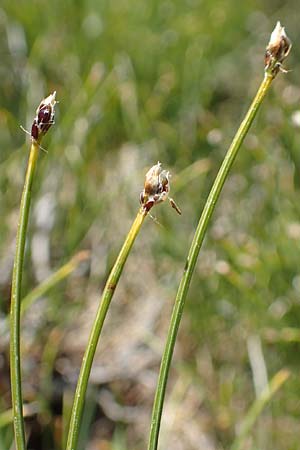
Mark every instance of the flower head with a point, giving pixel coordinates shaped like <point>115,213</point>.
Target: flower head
<point>278,49</point>
<point>44,117</point>
<point>156,188</point>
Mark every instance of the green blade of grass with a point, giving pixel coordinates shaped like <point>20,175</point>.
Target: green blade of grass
<point>285,334</point>
<point>55,278</point>
<point>7,416</point>
<point>109,289</point>
<point>277,381</point>
<point>15,358</point>
<point>193,255</point>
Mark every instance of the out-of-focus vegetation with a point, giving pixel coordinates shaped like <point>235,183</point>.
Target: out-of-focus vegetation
<point>140,82</point>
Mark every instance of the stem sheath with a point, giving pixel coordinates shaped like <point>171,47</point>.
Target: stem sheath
<point>193,255</point>
<point>109,289</point>
<point>15,360</point>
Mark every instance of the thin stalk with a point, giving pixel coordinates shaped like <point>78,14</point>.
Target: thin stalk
<point>15,360</point>
<point>40,290</point>
<point>257,407</point>
<point>55,278</point>
<point>108,292</point>
<point>7,416</point>
<point>193,255</point>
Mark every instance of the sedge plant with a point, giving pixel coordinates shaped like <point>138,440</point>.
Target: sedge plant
<point>41,124</point>
<point>156,190</point>
<point>277,50</point>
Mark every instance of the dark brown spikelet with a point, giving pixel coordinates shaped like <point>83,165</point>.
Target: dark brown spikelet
<point>44,118</point>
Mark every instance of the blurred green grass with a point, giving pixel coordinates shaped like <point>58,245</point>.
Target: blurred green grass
<point>140,82</point>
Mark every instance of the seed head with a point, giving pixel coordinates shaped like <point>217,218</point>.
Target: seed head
<point>277,50</point>
<point>44,117</point>
<point>156,188</point>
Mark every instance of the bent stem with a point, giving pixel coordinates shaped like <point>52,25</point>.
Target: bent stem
<point>108,292</point>
<point>193,255</point>
<point>15,361</point>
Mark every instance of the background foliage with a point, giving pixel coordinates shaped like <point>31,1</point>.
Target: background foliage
<point>140,82</point>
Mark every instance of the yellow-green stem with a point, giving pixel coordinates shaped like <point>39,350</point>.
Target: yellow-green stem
<point>193,255</point>
<point>109,289</point>
<point>40,290</point>
<point>15,359</point>
<point>257,407</point>
<point>55,278</point>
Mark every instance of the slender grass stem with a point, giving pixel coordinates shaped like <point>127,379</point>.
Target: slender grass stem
<point>257,407</point>
<point>55,278</point>
<point>108,292</point>
<point>15,361</point>
<point>193,255</point>
<point>40,290</point>
<point>6,417</point>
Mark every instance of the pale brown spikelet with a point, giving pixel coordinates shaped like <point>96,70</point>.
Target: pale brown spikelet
<point>156,188</point>
<point>277,50</point>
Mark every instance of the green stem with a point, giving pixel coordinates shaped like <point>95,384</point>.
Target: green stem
<point>55,278</point>
<point>15,361</point>
<point>258,406</point>
<point>6,417</point>
<point>109,289</point>
<point>193,255</point>
<point>40,290</point>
